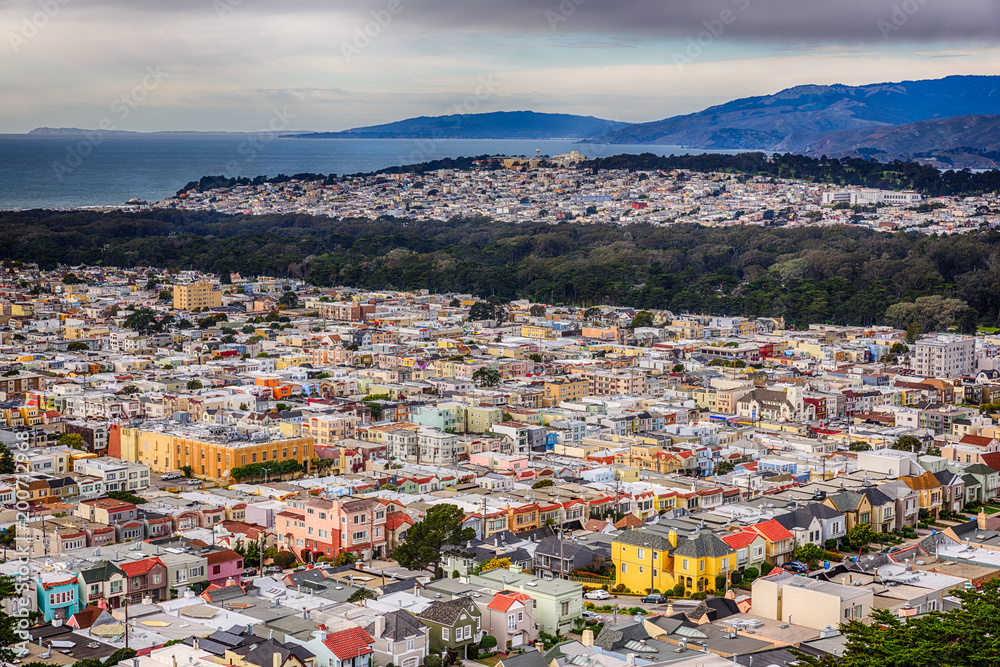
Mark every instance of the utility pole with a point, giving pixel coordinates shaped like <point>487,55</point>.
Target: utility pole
<point>482,527</point>
<point>562,569</point>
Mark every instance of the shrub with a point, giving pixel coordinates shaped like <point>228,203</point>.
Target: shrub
<point>284,559</point>
<point>750,574</point>
<point>454,574</point>
<point>765,568</point>
<point>831,545</point>
<point>679,591</point>
<point>488,642</point>
<point>720,582</point>
<point>736,578</point>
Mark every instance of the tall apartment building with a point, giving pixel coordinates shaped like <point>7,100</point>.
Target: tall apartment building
<point>211,452</point>
<point>330,527</point>
<point>197,295</point>
<point>945,355</point>
<point>607,383</point>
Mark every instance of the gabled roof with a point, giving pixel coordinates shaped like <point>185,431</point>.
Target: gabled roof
<point>350,643</point>
<point>504,600</point>
<point>741,539</point>
<point>846,501</point>
<point>101,571</point>
<point>645,538</point>
<point>876,497</point>
<point>771,530</point>
<point>399,625</point>
<point>704,545</point>
<point>924,482</point>
<point>447,612</point>
<point>140,567</point>
<point>796,519</point>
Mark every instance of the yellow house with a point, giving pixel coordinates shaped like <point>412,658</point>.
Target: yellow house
<point>651,560</point>
<point>929,489</point>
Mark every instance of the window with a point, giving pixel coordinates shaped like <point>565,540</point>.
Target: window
<point>624,568</point>
<point>510,622</point>
<point>216,569</point>
<point>445,634</point>
<point>641,553</point>
<point>565,609</point>
<point>520,616</point>
<point>409,644</point>
<point>684,564</point>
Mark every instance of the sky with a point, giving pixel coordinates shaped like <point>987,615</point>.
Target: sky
<point>325,65</point>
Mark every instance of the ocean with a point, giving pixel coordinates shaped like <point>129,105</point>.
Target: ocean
<point>72,171</point>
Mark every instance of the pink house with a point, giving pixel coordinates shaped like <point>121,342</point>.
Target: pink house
<point>224,564</point>
<point>499,461</point>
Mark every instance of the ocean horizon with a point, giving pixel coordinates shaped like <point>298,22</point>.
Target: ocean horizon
<point>57,171</point>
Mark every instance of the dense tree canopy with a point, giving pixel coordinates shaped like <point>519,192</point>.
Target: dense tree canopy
<point>426,539</point>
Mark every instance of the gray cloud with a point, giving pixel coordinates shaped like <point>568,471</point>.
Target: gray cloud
<point>807,21</point>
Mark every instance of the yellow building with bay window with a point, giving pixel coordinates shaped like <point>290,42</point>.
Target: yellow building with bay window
<point>648,559</point>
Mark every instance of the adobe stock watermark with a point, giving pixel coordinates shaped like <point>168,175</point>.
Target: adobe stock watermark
<point>714,29</point>
<point>224,7</point>
<point>486,87</point>
<point>899,17</point>
<point>121,108</point>
<point>35,23</point>
<point>255,143</point>
<point>562,13</point>
<point>370,30</point>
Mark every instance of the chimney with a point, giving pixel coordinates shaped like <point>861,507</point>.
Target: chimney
<point>540,647</point>
<point>249,628</point>
<point>276,659</point>
<point>379,626</point>
<point>630,660</point>
<point>587,637</point>
<point>672,536</point>
<point>173,659</point>
<point>195,642</point>
<point>981,520</point>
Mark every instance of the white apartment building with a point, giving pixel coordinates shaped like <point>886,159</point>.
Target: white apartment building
<point>945,355</point>
<point>117,475</point>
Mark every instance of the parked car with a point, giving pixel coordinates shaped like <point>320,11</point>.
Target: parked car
<point>655,598</point>
<point>249,572</point>
<point>796,566</point>
<point>274,569</point>
<point>300,568</point>
<point>591,615</point>
<point>891,550</point>
<point>599,594</point>
<point>173,474</point>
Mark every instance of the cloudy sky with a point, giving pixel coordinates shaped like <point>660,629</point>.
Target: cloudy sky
<point>244,65</point>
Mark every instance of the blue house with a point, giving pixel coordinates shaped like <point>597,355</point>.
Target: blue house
<point>58,594</point>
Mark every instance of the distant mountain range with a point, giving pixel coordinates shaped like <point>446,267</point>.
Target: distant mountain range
<point>947,122</point>
<point>496,125</point>
<point>885,119</point>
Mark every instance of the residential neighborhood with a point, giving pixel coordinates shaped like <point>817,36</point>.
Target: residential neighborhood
<point>220,469</point>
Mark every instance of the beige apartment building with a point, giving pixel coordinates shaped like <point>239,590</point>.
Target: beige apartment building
<point>197,295</point>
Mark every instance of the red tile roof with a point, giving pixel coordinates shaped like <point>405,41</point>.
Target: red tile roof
<point>977,440</point>
<point>349,643</point>
<point>396,519</point>
<point>739,540</point>
<point>503,600</point>
<point>771,530</point>
<point>140,567</point>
